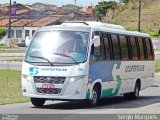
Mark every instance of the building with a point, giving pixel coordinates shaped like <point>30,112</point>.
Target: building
<point>89,11</point>
<point>25,27</point>
<point>75,13</point>
<point>25,20</point>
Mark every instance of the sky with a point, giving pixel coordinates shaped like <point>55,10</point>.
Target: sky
<point>57,2</point>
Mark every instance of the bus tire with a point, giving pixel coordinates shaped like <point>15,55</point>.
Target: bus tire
<point>37,102</point>
<point>135,93</point>
<point>95,96</point>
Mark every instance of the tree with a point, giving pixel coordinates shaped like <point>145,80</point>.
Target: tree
<point>2,32</point>
<point>103,7</point>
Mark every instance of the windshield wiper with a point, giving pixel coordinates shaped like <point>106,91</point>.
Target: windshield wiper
<point>66,56</point>
<point>40,57</point>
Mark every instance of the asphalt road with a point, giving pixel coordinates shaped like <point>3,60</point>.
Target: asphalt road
<point>11,65</point>
<point>148,103</point>
<point>8,61</point>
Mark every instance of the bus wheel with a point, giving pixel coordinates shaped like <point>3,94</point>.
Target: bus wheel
<point>135,94</point>
<point>38,102</point>
<point>95,96</point>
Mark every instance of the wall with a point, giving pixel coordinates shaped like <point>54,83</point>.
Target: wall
<point>14,40</point>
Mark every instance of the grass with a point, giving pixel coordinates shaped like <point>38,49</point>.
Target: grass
<point>10,87</point>
<point>5,49</point>
<point>157,66</point>
<point>14,60</point>
<point>150,16</point>
<point>3,46</point>
<point>11,51</point>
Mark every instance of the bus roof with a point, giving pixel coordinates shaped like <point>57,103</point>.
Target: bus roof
<point>95,26</point>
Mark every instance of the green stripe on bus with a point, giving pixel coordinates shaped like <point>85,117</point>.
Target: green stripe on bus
<point>118,85</point>
<point>109,91</point>
<point>87,94</point>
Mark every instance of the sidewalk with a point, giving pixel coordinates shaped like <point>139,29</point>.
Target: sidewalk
<point>12,54</point>
<point>10,63</point>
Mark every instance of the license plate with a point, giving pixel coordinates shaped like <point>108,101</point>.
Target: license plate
<point>48,85</point>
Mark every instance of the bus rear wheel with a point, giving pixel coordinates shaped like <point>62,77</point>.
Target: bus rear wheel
<point>135,93</point>
<point>37,102</point>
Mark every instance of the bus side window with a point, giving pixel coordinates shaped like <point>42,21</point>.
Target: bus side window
<point>141,48</point>
<point>134,53</point>
<point>124,47</point>
<point>149,49</point>
<point>129,48</point>
<point>145,49</point>
<point>97,53</point>
<point>116,47</point>
<point>107,45</point>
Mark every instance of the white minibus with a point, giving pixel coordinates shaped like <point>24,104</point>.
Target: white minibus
<point>86,61</point>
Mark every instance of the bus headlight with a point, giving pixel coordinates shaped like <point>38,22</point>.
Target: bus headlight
<point>26,77</point>
<point>75,78</point>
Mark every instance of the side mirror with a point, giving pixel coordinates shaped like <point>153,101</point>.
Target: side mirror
<point>27,40</point>
<point>96,40</point>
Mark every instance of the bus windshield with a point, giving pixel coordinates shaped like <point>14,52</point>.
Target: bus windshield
<point>58,47</point>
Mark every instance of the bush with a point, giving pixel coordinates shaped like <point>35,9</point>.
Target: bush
<point>3,46</point>
<point>2,32</point>
<point>154,34</point>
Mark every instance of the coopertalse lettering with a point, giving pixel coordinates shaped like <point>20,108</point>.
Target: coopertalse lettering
<point>53,69</point>
<point>134,68</point>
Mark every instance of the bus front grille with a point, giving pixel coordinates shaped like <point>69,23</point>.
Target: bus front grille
<point>49,91</point>
<point>49,79</point>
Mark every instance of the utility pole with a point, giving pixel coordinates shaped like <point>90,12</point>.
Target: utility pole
<point>139,17</point>
<point>9,27</point>
<point>75,2</point>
